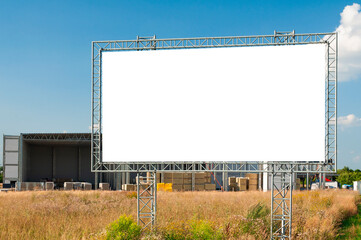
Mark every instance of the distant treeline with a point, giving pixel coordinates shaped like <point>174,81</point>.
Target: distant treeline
<point>348,176</point>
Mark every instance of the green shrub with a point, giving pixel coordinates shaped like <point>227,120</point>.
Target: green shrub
<point>202,230</point>
<point>257,221</point>
<point>176,231</point>
<point>123,229</point>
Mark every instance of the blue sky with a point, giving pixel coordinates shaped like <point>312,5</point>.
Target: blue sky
<point>45,55</point>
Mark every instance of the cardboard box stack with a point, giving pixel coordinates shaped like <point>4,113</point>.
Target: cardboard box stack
<point>232,182</point>
<point>168,177</point>
<point>208,177</point>
<point>210,187</point>
<point>252,181</point>
<point>200,180</point>
<point>129,187</point>
<point>242,183</point>
<point>158,176</point>
<point>187,181</point>
<point>177,182</point>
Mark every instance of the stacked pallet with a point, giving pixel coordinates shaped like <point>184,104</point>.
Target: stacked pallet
<point>187,181</point>
<point>253,182</point>
<point>242,183</point>
<point>232,182</point>
<point>158,176</point>
<point>250,182</point>
<point>129,187</point>
<point>178,181</point>
<point>200,181</point>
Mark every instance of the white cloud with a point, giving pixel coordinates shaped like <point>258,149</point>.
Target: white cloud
<point>349,121</point>
<point>350,43</point>
<point>65,131</point>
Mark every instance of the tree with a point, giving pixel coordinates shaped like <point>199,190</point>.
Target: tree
<point>348,176</point>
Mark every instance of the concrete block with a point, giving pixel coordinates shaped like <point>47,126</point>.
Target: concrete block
<point>104,186</point>
<point>68,186</point>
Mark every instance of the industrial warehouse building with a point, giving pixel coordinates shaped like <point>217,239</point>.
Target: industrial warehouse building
<point>66,157</point>
<point>60,157</point>
<point>57,157</point>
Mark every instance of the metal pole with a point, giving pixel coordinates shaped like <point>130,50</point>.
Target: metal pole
<point>272,197</point>
<point>283,183</point>
<point>290,207</point>
<point>138,214</point>
<point>155,198</point>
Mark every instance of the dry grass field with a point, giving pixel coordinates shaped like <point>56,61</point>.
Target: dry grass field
<point>181,215</point>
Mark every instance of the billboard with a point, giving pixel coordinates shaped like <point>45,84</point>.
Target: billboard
<point>214,104</point>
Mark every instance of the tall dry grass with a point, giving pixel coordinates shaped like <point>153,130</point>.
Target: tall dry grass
<point>85,215</point>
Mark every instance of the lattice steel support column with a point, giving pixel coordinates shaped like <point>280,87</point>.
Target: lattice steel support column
<point>281,202</point>
<point>147,200</point>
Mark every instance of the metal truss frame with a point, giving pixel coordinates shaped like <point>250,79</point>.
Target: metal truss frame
<point>277,39</point>
<point>57,136</point>
<point>147,201</point>
<point>281,203</point>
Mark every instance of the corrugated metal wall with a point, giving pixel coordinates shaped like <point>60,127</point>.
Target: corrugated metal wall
<point>10,158</point>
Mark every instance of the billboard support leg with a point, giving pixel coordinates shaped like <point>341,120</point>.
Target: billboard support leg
<point>281,202</point>
<point>147,201</point>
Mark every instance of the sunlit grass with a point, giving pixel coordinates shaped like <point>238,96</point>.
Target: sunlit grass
<point>351,227</point>
<point>230,215</point>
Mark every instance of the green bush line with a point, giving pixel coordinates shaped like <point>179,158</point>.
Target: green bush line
<point>256,224</point>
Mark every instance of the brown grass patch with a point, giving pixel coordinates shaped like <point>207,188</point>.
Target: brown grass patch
<point>85,215</point>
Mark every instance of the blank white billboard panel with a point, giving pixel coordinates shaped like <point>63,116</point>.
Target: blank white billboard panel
<point>215,104</point>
